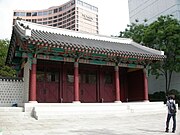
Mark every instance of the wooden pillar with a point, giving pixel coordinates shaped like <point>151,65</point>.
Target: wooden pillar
<point>117,84</point>
<point>76,82</point>
<point>32,93</point>
<point>145,85</point>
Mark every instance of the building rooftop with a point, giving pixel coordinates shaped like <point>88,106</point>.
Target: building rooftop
<point>74,41</point>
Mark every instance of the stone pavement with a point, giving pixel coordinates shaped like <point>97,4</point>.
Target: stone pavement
<point>144,124</point>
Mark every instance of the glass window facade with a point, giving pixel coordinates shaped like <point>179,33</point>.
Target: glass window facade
<point>34,13</point>
<point>50,12</point>
<point>28,14</point>
<point>152,9</point>
<point>20,14</point>
<point>67,16</point>
<point>40,13</point>
<point>81,3</point>
<point>45,13</point>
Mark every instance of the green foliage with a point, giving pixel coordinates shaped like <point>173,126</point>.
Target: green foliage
<point>157,96</point>
<point>5,71</point>
<point>164,35</point>
<point>4,44</point>
<point>162,96</point>
<point>135,32</point>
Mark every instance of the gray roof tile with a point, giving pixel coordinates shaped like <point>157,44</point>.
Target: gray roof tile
<point>92,44</point>
<point>89,43</point>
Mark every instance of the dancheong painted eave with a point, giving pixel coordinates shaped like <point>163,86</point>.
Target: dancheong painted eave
<point>46,37</point>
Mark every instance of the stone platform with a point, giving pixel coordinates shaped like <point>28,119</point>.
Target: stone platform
<point>57,110</point>
<point>140,123</point>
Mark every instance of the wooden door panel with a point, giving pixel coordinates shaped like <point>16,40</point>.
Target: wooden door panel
<point>52,92</point>
<point>107,86</point>
<point>109,93</point>
<point>40,92</point>
<point>68,94</point>
<point>88,87</point>
<point>48,86</point>
<point>88,93</point>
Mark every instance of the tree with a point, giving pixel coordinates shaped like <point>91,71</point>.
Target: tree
<point>3,50</point>
<point>5,71</point>
<point>134,31</point>
<point>164,35</point>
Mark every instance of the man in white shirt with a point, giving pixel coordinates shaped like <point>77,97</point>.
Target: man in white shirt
<point>171,113</point>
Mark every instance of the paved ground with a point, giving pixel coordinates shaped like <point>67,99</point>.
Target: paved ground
<point>104,125</point>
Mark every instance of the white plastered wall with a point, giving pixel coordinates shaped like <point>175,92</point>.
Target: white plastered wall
<point>26,82</point>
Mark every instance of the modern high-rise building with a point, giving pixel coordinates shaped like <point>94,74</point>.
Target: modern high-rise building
<point>74,15</point>
<point>152,9</point>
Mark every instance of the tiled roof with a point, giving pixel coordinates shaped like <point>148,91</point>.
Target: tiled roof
<point>92,44</point>
<point>99,44</point>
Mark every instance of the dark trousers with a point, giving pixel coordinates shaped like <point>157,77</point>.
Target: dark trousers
<point>174,121</point>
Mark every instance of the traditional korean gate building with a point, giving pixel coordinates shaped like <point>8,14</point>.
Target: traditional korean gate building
<point>63,66</point>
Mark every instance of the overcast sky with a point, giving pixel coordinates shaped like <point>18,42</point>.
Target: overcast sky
<point>113,14</point>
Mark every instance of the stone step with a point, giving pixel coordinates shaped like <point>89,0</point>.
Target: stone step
<point>13,114</point>
<point>76,113</point>
<point>51,112</point>
<point>11,109</point>
<point>55,111</point>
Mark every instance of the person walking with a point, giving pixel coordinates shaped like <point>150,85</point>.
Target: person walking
<point>171,113</point>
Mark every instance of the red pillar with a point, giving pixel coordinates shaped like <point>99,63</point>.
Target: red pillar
<point>76,82</point>
<point>145,85</point>
<point>117,84</point>
<point>32,93</point>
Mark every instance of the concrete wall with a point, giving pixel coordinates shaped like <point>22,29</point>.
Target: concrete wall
<point>155,85</point>
<point>15,90</point>
<point>11,91</point>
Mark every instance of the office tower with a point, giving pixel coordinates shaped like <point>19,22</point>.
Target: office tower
<point>74,15</point>
<point>152,9</point>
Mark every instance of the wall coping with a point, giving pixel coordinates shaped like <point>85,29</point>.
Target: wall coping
<point>12,79</point>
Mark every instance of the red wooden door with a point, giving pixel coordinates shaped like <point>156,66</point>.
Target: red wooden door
<point>68,93</point>
<point>88,87</point>
<point>68,85</point>
<point>52,92</point>
<point>107,89</point>
<point>48,87</point>
<point>41,92</point>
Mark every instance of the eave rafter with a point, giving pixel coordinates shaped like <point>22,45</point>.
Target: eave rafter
<point>89,53</point>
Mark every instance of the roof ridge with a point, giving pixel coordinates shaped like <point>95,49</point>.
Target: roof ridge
<point>145,48</point>
<point>35,26</point>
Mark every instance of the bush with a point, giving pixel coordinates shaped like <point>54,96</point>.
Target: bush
<point>162,96</point>
<point>157,96</point>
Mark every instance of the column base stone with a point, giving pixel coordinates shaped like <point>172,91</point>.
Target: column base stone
<point>117,102</point>
<point>76,102</point>
<point>146,101</point>
<point>33,102</point>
